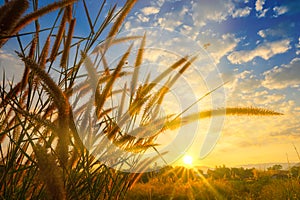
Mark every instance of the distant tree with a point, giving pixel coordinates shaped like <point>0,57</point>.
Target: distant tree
<point>295,171</point>
<point>220,172</point>
<point>275,167</point>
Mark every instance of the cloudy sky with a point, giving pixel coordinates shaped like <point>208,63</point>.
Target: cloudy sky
<point>253,44</point>
<point>256,46</point>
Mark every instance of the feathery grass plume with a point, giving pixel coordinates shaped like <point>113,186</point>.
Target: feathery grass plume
<point>159,96</point>
<point>105,63</point>
<point>10,15</point>
<point>119,21</point>
<point>55,92</point>
<point>62,105</point>
<point>140,99</point>
<point>151,110</point>
<point>3,10</point>
<point>33,47</point>
<point>181,71</point>
<point>141,95</point>
<point>69,12</point>
<point>161,76</point>
<point>101,49</point>
<point>177,122</point>
<point>63,62</point>
<point>92,72</point>
<point>137,65</point>
<point>44,54</point>
<point>153,126</point>
<point>27,19</point>
<point>25,76</point>
<point>46,163</point>
<point>121,106</point>
<point>100,98</point>
<point>250,111</point>
<point>59,36</point>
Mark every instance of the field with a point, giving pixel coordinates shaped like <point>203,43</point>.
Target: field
<point>220,183</point>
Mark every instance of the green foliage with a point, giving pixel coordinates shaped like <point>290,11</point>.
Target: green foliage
<point>275,167</point>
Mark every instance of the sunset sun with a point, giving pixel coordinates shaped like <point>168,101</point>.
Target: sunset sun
<point>188,160</point>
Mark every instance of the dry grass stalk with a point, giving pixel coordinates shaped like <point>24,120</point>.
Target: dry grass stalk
<point>44,54</point>
<point>121,106</point>
<point>69,12</point>
<point>92,72</point>
<point>54,182</point>
<point>115,28</point>
<point>59,36</point>
<point>62,105</point>
<point>11,12</point>
<point>27,19</point>
<point>64,57</point>
<point>100,98</point>
<point>177,122</point>
<point>138,62</point>
<point>161,76</point>
<point>16,23</point>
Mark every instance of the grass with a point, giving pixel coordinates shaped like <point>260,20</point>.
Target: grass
<point>53,144</point>
<point>182,183</point>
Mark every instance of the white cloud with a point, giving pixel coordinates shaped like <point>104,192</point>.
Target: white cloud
<point>219,45</point>
<point>158,3</point>
<point>244,83</point>
<point>142,18</point>
<point>11,64</point>
<point>280,31</point>
<point>149,10</point>
<point>280,10</point>
<point>172,20</point>
<point>7,56</point>
<point>168,22</point>
<point>264,98</point>
<point>262,33</point>
<point>213,10</point>
<point>283,76</point>
<point>127,25</point>
<point>265,50</point>
<point>241,12</point>
<point>259,5</point>
<point>187,28</point>
<point>298,47</point>
<point>262,13</point>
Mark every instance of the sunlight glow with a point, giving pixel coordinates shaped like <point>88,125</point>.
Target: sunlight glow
<point>188,160</point>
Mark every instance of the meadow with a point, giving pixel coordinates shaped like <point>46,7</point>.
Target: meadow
<point>219,183</point>
<point>54,145</point>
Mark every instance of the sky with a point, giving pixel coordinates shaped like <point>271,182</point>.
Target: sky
<point>252,44</point>
<point>255,44</point>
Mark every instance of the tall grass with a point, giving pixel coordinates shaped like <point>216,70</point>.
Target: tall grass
<point>49,147</point>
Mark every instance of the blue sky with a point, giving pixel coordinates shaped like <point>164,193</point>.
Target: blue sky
<point>255,44</point>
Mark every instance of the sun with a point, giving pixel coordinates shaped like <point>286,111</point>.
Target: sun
<point>188,160</point>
